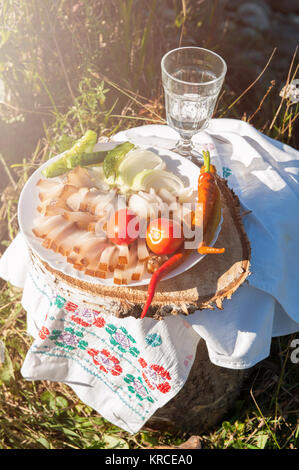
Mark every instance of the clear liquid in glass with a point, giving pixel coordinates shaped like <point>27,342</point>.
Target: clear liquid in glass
<point>190,112</point>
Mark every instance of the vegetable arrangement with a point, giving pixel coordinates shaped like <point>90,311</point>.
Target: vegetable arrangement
<point>163,236</point>
<point>79,154</point>
<point>208,203</point>
<point>170,264</point>
<point>80,217</point>
<point>117,228</point>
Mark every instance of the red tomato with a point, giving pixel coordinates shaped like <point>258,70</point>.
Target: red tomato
<point>164,236</point>
<point>123,227</point>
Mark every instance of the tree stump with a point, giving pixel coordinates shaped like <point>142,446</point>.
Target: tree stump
<point>207,396</point>
<point>210,390</point>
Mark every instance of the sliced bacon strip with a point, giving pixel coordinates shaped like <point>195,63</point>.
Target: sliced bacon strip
<point>142,251</point>
<point>89,199</point>
<point>86,241</point>
<point>106,260</point>
<point>105,204</point>
<point>58,231</point>
<point>93,250</point>
<point>123,255</point>
<point>59,241</point>
<point>79,177</point>
<point>67,244</point>
<point>138,271</point>
<point>81,219</point>
<point>43,225</point>
<point>133,254</point>
<point>67,191</point>
<point>74,259</point>
<point>132,258</point>
<point>136,267</point>
<point>85,237</point>
<point>120,276</point>
<point>49,189</point>
<point>46,197</point>
<point>99,226</point>
<point>52,209</point>
<point>93,267</point>
<point>44,207</point>
<point>113,260</point>
<point>75,199</point>
<point>49,185</point>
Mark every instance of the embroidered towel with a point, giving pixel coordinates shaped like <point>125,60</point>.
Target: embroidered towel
<point>123,368</point>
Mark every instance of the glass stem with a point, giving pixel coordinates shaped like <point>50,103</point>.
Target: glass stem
<point>185,146</point>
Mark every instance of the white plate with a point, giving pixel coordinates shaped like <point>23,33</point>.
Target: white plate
<point>29,201</point>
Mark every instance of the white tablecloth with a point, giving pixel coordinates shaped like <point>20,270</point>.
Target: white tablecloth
<point>264,174</point>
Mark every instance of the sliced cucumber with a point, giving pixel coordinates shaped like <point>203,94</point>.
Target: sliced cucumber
<point>80,153</point>
<point>84,145</point>
<point>113,159</point>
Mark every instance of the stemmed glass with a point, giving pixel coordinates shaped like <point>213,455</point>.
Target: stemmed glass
<point>192,78</point>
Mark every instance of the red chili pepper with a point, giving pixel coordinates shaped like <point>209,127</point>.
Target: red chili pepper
<point>204,169</point>
<point>172,262</point>
<point>209,200</point>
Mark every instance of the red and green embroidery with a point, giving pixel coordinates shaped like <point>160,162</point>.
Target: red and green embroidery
<point>141,412</point>
<point>105,361</point>
<point>120,338</point>
<point>82,316</point>
<point>68,339</point>
<point>150,377</point>
<point>70,306</point>
<point>153,339</point>
<point>137,387</point>
<point>43,332</point>
<point>155,376</point>
<point>226,172</point>
<point>104,355</point>
<point>59,301</point>
<point>87,317</point>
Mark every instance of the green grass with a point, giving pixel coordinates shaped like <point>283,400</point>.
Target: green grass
<point>55,62</point>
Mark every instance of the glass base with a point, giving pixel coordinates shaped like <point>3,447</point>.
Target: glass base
<point>186,148</point>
